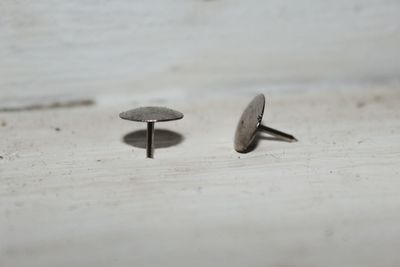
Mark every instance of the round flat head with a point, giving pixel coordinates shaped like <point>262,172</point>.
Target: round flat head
<point>151,114</point>
<point>248,124</point>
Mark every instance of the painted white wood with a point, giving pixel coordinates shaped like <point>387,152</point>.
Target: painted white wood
<point>80,196</point>
<point>73,193</point>
<point>74,47</point>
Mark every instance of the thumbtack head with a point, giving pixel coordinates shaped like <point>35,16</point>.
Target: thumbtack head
<point>250,123</point>
<point>151,115</point>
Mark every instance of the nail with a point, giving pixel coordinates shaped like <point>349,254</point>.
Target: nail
<point>150,140</point>
<point>151,115</point>
<point>250,123</point>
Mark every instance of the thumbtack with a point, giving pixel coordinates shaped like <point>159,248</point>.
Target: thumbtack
<point>151,115</point>
<point>250,123</point>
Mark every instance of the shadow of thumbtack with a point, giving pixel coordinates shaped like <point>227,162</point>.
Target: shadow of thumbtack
<point>162,138</point>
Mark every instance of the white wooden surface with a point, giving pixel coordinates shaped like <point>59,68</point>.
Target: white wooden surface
<point>82,197</point>
<point>87,46</point>
<point>73,193</point>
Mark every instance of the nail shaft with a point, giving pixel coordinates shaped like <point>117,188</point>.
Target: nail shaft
<point>278,134</point>
<point>150,140</point>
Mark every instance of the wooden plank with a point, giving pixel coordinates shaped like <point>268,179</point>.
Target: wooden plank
<point>73,193</point>
<point>83,47</point>
<point>76,190</point>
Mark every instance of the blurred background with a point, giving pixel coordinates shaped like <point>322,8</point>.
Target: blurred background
<point>57,48</point>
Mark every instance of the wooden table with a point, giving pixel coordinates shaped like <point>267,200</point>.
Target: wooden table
<point>76,188</point>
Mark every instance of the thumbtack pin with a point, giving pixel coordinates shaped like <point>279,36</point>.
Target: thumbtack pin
<point>151,115</point>
<point>250,123</point>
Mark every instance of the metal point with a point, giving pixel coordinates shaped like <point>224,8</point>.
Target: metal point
<point>150,140</point>
<point>151,115</point>
<point>281,135</point>
<point>250,123</point>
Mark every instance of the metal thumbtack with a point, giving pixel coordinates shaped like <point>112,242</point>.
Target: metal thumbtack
<point>151,115</point>
<point>250,123</point>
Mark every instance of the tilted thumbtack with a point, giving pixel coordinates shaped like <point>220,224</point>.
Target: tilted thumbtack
<point>151,115</point>
<point>250,123</point>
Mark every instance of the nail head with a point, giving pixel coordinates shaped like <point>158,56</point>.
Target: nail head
<point>248,124</point>
<point>151,114</point>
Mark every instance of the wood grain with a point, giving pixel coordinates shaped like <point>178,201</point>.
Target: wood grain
<point>80,47</point>
<point>76,189</point>
<point>73,193</point>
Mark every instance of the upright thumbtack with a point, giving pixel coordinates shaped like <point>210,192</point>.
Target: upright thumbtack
<point>250,123</point>
<point>151,115</point>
